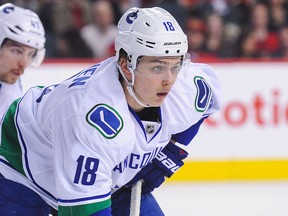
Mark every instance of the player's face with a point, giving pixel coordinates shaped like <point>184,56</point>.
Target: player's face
<point>154,78</point>
<point>14,59</point>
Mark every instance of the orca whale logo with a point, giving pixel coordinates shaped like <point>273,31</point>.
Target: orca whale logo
<point>8,9</point>
<point>131,17</point>
<point>204,94</point>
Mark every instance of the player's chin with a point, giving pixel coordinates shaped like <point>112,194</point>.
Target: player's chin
<point>11,79</point>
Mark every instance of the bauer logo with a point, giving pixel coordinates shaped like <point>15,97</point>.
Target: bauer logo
<point>106,120</point>
<point>172,43</point>
<point>204,94</point>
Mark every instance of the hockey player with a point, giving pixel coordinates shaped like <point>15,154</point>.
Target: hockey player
<point>22,44</point>
<point>80,144</point>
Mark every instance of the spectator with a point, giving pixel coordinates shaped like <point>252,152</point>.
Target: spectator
<point>46,15</point>
<point>100,34</point>
<point>248,46</point>
<point>235,22</point>
<point>60,16</point>
<point>214,34</point>
<point>69,14</point>
<point>195,30</point>
<point>259,41</point>
<point>278,16</point>
<point>283,37</point>
<point>71,45</point>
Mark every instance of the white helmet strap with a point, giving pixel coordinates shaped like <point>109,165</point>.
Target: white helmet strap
<point>133,94</point>
<point>130,87</point>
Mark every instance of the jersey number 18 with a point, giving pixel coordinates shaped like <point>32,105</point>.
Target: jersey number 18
<point>88,175</point>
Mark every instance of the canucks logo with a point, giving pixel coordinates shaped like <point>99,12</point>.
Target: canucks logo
<point>204,94</point>
<point>131,17</point>
<point>8,9</point>
<point>106,120</point>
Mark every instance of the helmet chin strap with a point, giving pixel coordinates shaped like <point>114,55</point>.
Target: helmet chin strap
<point>133,94</point>
<point>130,87</point>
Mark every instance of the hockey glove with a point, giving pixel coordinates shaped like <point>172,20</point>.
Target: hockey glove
<point>166,163</point>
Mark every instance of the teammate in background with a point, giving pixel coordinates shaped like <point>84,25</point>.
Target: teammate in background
<point>81,144</point>
<point>22,44</point>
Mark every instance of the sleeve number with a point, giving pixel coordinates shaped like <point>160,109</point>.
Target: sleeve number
<point>88,175</point>
<point>169,26</point>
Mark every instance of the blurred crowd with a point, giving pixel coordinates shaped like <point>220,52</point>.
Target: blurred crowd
<point>215,28</point>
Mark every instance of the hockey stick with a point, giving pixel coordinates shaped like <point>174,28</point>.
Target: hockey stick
<point>135,199</point>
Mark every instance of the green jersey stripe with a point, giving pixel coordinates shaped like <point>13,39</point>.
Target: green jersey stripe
<point>87,209</point>
<point>10,146</point>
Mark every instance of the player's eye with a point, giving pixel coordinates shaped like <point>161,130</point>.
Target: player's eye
<point>159,69</point>
<point>16,50</point>
<point>176,68</point>
<point>32,54</point>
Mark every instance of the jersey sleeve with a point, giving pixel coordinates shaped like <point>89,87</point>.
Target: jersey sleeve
<point>187,136</point>
<point>207,98</point>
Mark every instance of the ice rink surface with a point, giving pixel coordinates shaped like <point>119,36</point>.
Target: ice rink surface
<point>224,199</point>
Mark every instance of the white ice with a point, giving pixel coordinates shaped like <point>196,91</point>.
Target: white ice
<point>224,199</point>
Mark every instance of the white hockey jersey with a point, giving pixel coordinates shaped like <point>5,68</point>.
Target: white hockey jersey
<point>8,93</point>
<point>75,141</point>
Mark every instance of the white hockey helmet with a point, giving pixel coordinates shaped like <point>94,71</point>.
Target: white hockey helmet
<point>149,32</point>
<point>23,26</point>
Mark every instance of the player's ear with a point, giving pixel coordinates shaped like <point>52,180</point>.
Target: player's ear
<point>124,66</point>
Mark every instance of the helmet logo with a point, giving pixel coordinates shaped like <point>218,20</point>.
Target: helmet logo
<point>172,43</point>
<point>8,9</point>
<point>35,24</point>
<point>131,17</point>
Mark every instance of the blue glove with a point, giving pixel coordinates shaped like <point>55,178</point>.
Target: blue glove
<point>166,163</point>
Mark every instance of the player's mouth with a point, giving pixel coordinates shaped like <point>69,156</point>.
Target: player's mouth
<point>162,95</point>
<point>17,73</point>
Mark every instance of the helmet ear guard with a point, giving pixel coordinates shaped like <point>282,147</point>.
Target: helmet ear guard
<point>23,26</point>
<point>39,57</point>
<point>130,65</point>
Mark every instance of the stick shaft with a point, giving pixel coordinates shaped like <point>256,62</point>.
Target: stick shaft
<point>135,199</point>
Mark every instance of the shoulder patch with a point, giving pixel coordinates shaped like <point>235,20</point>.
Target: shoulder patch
<point>106,120</point>
<point>204,94</point>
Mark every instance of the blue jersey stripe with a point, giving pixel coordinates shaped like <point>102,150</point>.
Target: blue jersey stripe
<point>84,199</point>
